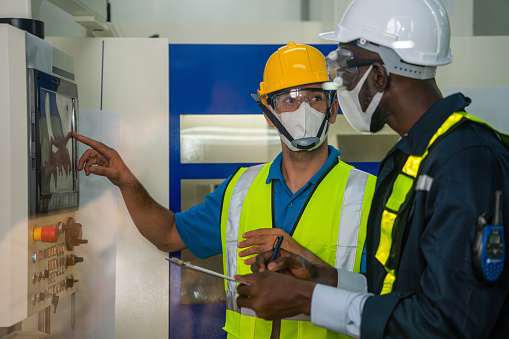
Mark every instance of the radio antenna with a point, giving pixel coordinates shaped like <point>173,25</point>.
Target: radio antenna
<point>497,220</point>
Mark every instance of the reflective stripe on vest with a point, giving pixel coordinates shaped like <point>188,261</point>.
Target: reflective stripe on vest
<point>232,230</point>
<point>350,216</point>
<point>402,187</point>
<point>248,202</point>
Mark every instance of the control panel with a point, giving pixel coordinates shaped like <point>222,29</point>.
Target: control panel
<point>39,232</point>
<point>52,260</point>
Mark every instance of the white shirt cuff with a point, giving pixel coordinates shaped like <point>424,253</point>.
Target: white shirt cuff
<point>350,281</point>
<point>337,309</point>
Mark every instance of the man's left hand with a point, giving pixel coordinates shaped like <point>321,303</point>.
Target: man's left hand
<point>262,240</point>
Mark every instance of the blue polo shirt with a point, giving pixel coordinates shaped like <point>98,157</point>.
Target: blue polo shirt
<point>199,227</point>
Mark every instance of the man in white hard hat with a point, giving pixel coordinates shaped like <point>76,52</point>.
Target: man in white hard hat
<point>436,239</point>
<point>318,203</point>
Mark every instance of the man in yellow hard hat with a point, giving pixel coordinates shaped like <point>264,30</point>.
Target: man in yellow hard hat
<point>316,202</point>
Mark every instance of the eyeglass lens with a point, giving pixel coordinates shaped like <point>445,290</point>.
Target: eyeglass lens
<point>291,101</point>
<point>337,65</point>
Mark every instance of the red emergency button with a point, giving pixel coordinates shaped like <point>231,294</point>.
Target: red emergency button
<point>46,233</point>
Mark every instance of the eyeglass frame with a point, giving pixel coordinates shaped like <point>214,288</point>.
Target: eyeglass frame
<point>350,63</point>
<point>270,97</point>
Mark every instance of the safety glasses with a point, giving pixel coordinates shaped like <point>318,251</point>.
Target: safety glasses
<point>341,63</point>
<point>290,100</point>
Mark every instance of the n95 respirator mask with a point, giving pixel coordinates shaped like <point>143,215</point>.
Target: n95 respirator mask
<point>307,126</point>
<point>351,106</point>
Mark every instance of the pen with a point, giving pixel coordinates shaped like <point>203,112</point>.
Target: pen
<point>276,248</point>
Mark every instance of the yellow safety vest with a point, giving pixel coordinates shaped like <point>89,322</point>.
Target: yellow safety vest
<point>402,195</point>
<point>338,204</point>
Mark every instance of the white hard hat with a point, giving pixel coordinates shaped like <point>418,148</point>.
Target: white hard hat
<point>418,31</point>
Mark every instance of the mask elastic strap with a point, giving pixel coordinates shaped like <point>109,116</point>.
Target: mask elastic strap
<point>324,122</point>
<point>272,118</point>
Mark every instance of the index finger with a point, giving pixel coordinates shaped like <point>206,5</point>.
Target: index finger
<point>261,261</point>
<point>263,231</point>
<point>285,261</point>
<point>96,145</point>
<point>247,278</point>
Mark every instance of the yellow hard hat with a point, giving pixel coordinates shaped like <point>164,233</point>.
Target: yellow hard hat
<point>292,65</point>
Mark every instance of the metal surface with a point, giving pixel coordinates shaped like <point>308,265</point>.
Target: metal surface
<point>73,310</point>
<point>225,138</point>
<point>44,320</point>
<point>187,264</point>
<point>13,176</point>
<point>42,268</point>
<point>126,292</point>
<point>365,148</point>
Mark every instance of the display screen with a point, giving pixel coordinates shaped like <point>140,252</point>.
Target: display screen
<point>55,117</point>
<point>53,110</point>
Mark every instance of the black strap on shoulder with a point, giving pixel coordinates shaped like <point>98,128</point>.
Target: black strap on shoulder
<point>272,203</point>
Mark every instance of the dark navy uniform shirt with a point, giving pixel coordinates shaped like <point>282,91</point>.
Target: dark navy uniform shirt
<point>436,294</point>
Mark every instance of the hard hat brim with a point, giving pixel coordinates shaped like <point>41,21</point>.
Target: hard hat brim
<point>329,35</point>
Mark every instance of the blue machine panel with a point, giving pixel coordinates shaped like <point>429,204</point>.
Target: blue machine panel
<point>218,79</point>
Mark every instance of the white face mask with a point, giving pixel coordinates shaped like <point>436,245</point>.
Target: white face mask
<point>303,125</point>
<point>351,106</point>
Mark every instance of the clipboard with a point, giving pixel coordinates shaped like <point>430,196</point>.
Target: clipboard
<point>188,264</point>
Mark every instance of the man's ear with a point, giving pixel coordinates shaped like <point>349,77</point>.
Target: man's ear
<point>334,111</point>
<point>381,76</point>
<point>268,120</point>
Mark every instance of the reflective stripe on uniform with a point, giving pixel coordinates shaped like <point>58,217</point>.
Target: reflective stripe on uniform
<point>350,219</point>
<point>299,317</point>
<point>402,187</point>
<point>232,229</point>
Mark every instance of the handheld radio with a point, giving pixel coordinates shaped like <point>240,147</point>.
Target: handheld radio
<point>489,245</point>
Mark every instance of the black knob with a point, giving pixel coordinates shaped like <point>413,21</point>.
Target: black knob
<point>54,302</point>
<point>73,235</point>
<point>69,282</point>
<point>72,260</point>
<point>44,275</point>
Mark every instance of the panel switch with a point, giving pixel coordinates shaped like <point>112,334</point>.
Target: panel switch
<point>72,260</point>
<point>46,234</point>
<point>73,234</point>
<point>69,282</point>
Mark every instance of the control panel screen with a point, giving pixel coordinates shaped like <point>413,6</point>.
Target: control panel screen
<point>54,186</point>
<point>55,122</point>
